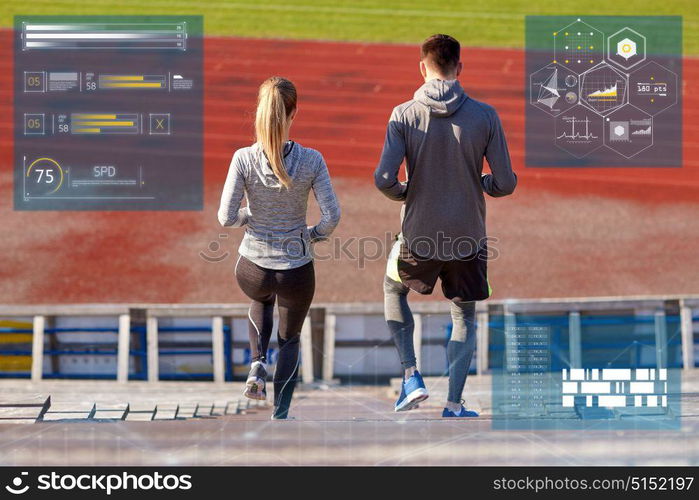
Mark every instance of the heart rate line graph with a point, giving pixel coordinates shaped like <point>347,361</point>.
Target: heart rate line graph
<point>579,130</point>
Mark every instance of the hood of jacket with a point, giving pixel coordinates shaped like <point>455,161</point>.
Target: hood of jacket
<point>443,97</point>
<point>264,169</point>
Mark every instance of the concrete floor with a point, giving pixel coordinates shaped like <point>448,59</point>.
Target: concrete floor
<point>335,425</point>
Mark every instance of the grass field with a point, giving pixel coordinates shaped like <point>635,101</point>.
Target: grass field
<point>477,23</point>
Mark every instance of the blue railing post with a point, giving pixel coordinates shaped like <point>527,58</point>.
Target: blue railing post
<point>228,350</point>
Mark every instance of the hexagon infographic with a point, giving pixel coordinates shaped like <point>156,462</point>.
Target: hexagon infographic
<point>603,88</point>
<point>579,131</point>
<point>626,48</point>
<point>653,88</point>
<point>606,92</point>
<point>553,89</point>
<point>628,130</point>
<point>578,46</point>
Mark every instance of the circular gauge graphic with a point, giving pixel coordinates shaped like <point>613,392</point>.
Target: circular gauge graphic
<point>571,97</point>
<point>44,176</point>
<point>571,80</point>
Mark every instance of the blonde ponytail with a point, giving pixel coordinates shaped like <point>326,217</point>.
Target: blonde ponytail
<point>276,101</point>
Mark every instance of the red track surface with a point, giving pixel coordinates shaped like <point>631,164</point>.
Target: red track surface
<point>566,232</point>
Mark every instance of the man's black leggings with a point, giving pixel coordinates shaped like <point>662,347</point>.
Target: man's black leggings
<point>293,290</point>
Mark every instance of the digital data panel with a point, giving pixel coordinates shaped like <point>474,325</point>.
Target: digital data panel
<point>108,113</point>
<point>589,372</point>
<point>604,91</point>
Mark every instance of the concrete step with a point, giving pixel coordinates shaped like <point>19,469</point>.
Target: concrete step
<point>111,412</point>
<point>11,413</point>
<point>204,409</point>
<point>187,410</point>
<point>135,403</point>
<point>166,411</point>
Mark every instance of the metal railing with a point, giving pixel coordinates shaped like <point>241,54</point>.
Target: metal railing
<point>319,332</point>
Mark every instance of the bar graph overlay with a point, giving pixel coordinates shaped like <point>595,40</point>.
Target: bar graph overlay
<point>104,123</point>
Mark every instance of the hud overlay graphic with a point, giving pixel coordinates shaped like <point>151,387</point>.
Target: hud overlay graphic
<point>108,112</point>
<point>604,91</point>
<point>586,372</point>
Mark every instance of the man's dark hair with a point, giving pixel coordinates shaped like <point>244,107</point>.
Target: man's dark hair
<point>443,51</point>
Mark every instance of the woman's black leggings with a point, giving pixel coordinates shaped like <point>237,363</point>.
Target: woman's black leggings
<point>293,290</point>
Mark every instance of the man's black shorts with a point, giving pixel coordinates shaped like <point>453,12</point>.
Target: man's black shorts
<point>463,280</point>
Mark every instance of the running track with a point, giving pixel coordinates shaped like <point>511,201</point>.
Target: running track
<point>347,91</point>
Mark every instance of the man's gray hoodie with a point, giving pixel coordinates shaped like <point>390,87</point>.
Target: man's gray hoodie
<point>444,135</point>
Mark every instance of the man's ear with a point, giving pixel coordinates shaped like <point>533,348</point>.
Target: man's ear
<point>459,67</point>
<point>423,69</point>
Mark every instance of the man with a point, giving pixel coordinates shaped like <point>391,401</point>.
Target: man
<point>443,135</point>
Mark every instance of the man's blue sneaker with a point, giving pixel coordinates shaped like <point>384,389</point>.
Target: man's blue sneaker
<point>412,392</point>
<point>463,412</point>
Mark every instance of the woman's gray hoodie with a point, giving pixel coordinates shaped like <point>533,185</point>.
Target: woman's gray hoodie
<point>277,236</point>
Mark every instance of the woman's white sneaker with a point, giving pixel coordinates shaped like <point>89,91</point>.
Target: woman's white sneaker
<point>255,385</point>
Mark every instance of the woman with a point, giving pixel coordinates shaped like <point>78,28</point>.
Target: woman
<point>275,262</point>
